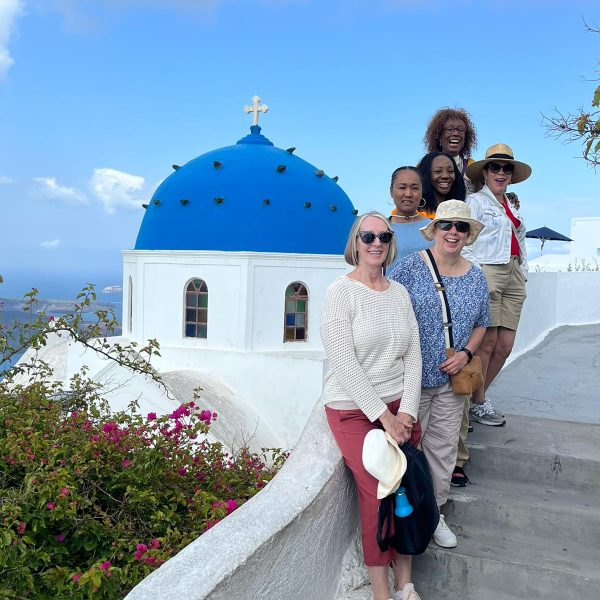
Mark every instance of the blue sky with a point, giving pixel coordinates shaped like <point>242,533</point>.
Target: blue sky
<point>99,97</point>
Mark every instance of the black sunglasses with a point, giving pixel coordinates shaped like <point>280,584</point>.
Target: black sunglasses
<point>508,168</point>
<point>461,226</point>
<point>368,237</point>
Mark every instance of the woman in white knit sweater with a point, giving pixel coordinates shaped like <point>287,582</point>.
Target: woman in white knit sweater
<point>371,338</point>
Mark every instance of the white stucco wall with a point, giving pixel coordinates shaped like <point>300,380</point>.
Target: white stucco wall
<point>245,302</point>
<point>553,300</point>
<point>585,233</point>
<point>287,542</point>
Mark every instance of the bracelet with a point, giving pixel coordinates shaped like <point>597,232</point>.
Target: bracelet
<point>468,353</point>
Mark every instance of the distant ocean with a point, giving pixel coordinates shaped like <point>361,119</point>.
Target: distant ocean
<point>64,290</point>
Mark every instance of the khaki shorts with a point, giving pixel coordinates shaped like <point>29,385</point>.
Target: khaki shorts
<point>506,284</point>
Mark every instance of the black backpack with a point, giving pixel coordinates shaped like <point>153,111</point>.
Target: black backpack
<point>412,534</point>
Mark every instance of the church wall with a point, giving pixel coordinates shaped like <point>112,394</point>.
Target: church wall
<point>280,388</point>
<point>246,296</point>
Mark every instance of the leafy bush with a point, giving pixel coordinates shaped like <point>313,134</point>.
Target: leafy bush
<point>92,501</point>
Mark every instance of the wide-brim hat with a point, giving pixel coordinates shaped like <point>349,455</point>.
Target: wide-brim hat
<point>383,459</point>
<point>453,210</point>
<point>505,154</point>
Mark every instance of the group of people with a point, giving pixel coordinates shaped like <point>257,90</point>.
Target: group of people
<point>385,332</point>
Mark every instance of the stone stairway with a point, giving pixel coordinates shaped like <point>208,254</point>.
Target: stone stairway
<point>529,524</point>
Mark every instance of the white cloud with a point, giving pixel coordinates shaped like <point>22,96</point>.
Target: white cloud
<point>9,11</point>
<point>116,189</point>
<point>5,180</point>
<point>47,188</point>
<point>83,16</point>
<point>50,244</point>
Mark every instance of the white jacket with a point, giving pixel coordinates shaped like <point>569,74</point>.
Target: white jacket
<point>493,244</point>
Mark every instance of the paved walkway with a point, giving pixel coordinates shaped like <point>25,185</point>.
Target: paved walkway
<point>558,379</point>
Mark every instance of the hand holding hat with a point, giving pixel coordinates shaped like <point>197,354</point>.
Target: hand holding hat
<point>384,460</point>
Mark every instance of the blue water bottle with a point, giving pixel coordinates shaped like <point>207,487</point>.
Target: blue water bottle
<point>403,506</point>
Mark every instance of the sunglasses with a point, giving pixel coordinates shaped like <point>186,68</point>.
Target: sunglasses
<point>460,226</point>
<point>496,168</point>
<point>368,237</point>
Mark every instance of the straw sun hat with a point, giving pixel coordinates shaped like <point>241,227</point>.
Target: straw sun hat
<point>503,153</point>
<point>383,459</point>
<point>453,210</point>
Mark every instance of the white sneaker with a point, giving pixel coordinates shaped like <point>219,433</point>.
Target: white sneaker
<point>443,535</point>
<point>406,593</point>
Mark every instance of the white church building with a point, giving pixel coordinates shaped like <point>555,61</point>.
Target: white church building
<point>232,260</point>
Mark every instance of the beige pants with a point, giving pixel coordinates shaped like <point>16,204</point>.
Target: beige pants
<point>462,455</point>
<point>440,414</point>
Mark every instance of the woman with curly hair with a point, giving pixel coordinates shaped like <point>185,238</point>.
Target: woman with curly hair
<point>441,181</point>
<point>450,130</point>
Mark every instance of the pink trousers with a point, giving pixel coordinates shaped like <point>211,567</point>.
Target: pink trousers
<point>349,428</point>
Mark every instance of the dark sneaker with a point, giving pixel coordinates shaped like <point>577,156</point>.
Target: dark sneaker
<point>459,478</point>
<point>486,415</point>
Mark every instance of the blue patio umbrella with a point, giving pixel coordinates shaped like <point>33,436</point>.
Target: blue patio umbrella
<point>545,233</point>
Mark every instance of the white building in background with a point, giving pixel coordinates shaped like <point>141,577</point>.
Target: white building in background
<point>584,250</point>
<point>232,260</point>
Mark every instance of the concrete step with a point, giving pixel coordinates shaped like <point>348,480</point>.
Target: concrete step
<point>545,513</point>
<point>486,569</point>
<point>529,524</point>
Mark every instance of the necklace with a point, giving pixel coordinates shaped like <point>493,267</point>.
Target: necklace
<point>406,217</point>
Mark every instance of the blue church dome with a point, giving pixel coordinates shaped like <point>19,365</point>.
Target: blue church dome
<point>250,197</point>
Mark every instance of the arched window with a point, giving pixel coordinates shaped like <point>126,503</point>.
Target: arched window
<point>196,309</point>
<point>296,313</point>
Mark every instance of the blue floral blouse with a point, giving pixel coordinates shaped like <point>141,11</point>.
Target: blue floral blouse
<point>469,308</point>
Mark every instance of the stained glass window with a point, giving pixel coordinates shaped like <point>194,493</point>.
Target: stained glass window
<point>196,309</point>
<point>296,309</point>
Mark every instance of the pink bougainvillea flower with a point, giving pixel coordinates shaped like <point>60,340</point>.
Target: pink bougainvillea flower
<point>231,506</point>
<point>141,547</point>
<point>125,463</point>
<point>64,491</point>
<point>105,566</point>
<point>138,555</point>
<point>51,505</point>
<point>108,427</point>
<point>151,416</point>
<point>182,471</point>
<point>60,537</point>
<point>76,576</point>
<point>154,544</point>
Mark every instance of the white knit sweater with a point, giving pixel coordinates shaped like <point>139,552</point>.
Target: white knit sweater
<point>372,342</point>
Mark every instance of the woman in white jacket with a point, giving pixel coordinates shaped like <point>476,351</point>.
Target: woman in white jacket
<point>500,251</point>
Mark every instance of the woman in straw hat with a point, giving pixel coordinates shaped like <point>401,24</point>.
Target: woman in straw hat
<point>371,339</point>
<point>500,251</point>
<point>440,409</point>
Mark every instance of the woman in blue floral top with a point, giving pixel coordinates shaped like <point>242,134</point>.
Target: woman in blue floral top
<point>440,410</point>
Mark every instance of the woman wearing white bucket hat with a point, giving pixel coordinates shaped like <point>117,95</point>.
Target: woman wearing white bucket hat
<point>501,253</point>
<point>371,339</point>
<point>440,409</point>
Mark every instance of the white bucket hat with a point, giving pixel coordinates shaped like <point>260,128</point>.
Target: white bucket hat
<point>383,459</point>
<point>453,210</point>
